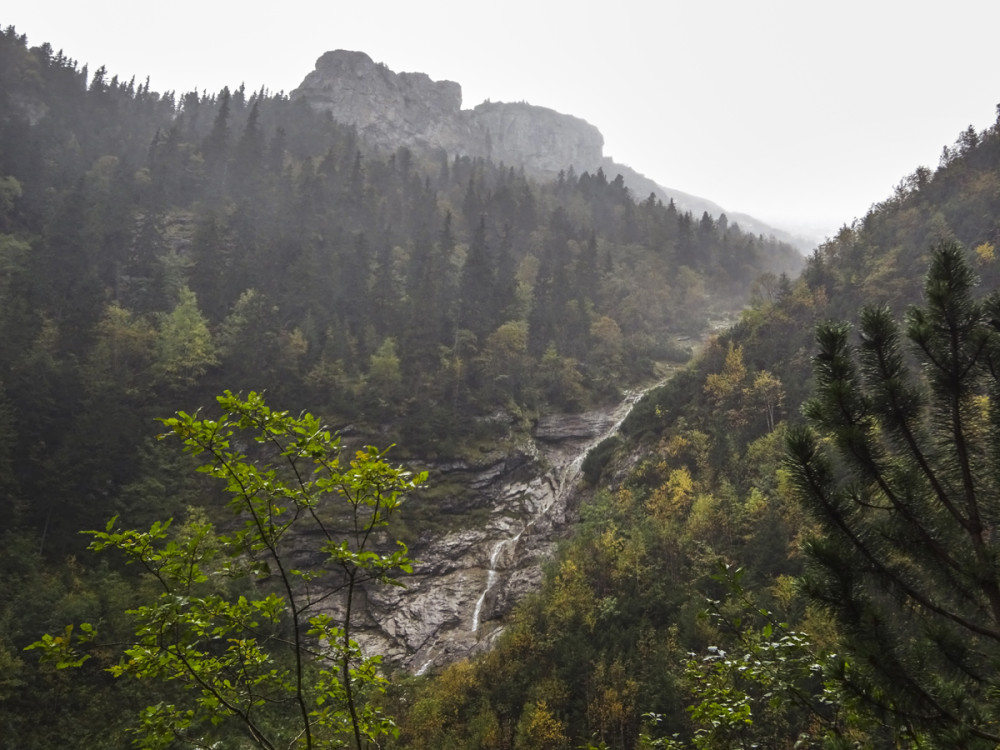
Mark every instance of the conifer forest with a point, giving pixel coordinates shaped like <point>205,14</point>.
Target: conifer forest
<point>243,351</point>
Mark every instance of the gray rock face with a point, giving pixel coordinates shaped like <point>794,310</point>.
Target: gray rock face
<point>558,427</point>
<point>391,110</point>
<point>541,140</point>
<point>468,580</point>
<point>409,109</point>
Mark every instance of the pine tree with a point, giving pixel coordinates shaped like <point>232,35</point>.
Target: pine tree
<point>906,556</point>
<point>249,157</point>
<point>477,285</point>
<point>215,149</point>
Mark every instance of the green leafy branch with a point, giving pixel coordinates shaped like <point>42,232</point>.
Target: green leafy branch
<point>267,657</point>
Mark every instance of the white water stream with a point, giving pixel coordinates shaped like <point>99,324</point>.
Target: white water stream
<point>565,471</point>
<point>469,578</point>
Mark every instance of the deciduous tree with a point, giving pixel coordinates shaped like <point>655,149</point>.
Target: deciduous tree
<point>262,643</point>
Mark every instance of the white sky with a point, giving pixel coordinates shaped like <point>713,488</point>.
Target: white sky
<point>799,113</point>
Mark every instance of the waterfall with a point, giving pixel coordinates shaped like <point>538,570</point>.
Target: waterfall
<point>491,576</point>
<point>565,475</point>
<point>471,575</point>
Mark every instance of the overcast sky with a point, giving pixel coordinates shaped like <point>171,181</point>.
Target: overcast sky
<point>800,113</point>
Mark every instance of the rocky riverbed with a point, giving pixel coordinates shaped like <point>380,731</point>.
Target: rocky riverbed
<point>469,580</point>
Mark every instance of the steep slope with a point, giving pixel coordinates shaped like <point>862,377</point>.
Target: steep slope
<point>694,499</point>
<point>641,185</point>
<point>155,250</point>
<point>409,109</point>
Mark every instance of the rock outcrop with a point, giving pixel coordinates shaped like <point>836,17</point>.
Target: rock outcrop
<point>541,140</point>
<point>468,580</point>
<point>391,110</point>
<point>409,109</point>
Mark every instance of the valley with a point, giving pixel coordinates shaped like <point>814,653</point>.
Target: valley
<point>686,488</point>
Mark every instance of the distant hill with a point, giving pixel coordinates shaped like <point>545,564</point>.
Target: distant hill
<point>409,109</point>
<point>640,185</point>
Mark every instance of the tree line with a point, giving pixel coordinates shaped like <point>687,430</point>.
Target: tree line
<point>159,248</point>
<point>802,556</point>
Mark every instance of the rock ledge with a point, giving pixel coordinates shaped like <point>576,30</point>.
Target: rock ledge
<point>409,109</point>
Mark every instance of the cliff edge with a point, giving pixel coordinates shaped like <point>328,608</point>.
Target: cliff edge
<point>391,110</point>
<point>409,109</point>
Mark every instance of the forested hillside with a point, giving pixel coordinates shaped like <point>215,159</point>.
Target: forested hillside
<point>157,248</point>
<point>677,616</point>
<point>718,591</point>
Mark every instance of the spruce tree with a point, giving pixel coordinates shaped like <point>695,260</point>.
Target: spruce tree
<point>906,555</point>
<point>478,285</point>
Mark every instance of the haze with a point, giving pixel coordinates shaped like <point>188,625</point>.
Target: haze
<point>800,114</point>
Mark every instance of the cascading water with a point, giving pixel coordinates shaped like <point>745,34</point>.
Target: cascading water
<point>565,476</point>
<point>469,577</point>
<point>491,576</point>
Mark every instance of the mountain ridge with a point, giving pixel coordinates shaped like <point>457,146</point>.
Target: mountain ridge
<point>411,110</point>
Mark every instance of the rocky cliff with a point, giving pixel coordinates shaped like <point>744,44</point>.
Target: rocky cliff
<point>468,580</point>
<point>409,109</point>
<point>391,110</point>
<point>468,576</point>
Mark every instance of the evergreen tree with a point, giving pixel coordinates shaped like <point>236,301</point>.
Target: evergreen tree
<point>427,294</point>
<point>906,555</point>
<point>477,285</point>
<point>384,292</point>
<point>249,156</point>
<point>504,292</point>
<point>216,147</point>
<point>588,271</point>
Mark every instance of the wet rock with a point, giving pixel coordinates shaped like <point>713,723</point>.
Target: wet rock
<point>556,428</point>
<point>468,581</point>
